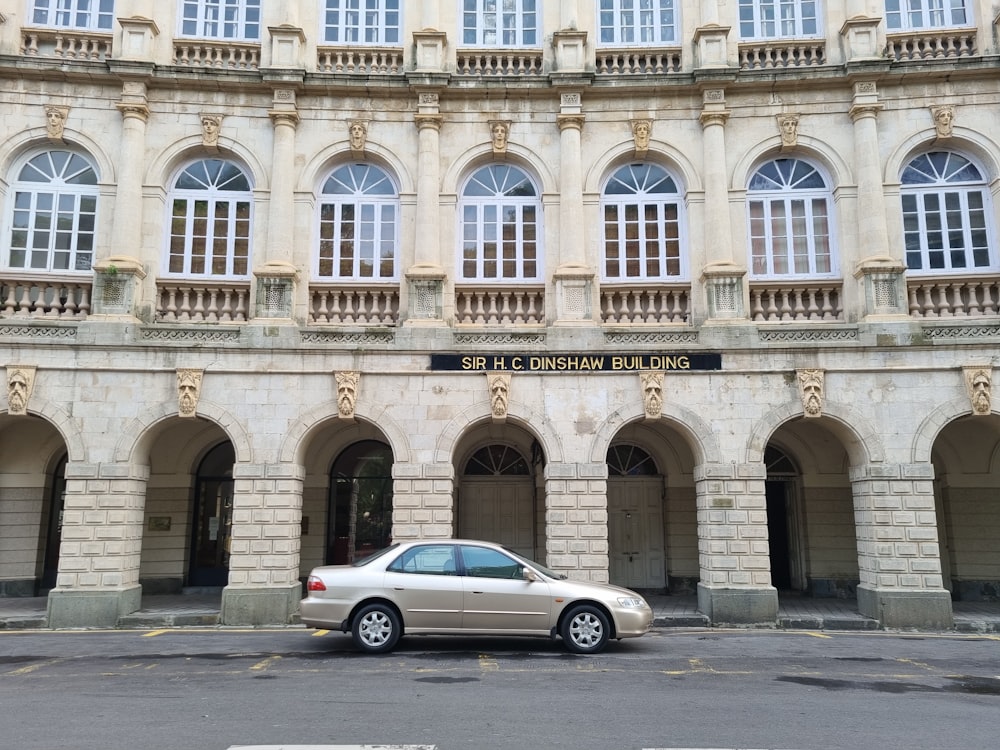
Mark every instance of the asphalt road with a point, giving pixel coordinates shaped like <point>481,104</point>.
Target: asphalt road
<point>212,689</point>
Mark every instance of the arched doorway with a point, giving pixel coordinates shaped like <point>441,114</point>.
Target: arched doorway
<point>213,518</point>
<point>360,502</point>
<point>784,547</point>
<point>637,553</point>
<point>498,499</point>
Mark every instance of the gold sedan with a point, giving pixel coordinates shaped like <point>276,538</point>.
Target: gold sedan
<point>464,587</point>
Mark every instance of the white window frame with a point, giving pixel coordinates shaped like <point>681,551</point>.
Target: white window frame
<point>650,245</point>
<point>910,15</point>
<point>780,19</point>
<point>68,208</point>
<point>931,227</point>
<point>487,23</point>
<point>361,22</point>
<point>481,224</point>
<point>624,23</point>
<point>231,20</point>
<point>215,195</point>
<point>375,225</point>
<point>790,195</point>
<point>85,15</point>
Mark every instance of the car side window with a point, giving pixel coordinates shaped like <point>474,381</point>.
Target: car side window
<point>435,560</point>
<point>483,562</point>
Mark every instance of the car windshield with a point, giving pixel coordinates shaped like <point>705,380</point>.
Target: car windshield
<point>373,556</point>
<point>540,568</point>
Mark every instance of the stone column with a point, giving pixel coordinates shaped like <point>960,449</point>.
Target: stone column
<point>576,520</point>
<point>264,587</point>
<point>425,279</point>
<point>873,237</point>
<point>735,586</point>
<point>573,278</point>
<point>898,552</point>
<point>422,501</point>
<point>98,578</point>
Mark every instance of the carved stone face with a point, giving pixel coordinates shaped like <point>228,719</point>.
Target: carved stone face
<point>499,135</point>
<point>652,394</point>
<point>357,135</point>
<point>981,393</point>
<point>17,393</point>
<point>789,130</point>
<point>499,392</point>
<point>642,132</point>
<point>55,122</point>
<point>210,127</point>
<point>187,395</point>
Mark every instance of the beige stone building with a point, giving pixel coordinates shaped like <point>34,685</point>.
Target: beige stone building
<point>691,297</point>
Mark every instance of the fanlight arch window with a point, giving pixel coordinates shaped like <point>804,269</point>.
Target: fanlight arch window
<point>211,211</point>
<point>643,217</point>
<point>626,460</point>
<point>636,22</point>
<point>88,15</point>
<point>221,19</point>
<point>497,460</point>
<point>53,213</point>
<point>946,202</point>
<point>789,209</point>
<point>358,225</point>
<point>500,23</point>
<point>501,229</point>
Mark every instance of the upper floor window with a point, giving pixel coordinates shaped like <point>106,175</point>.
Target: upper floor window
<point>361,21</point>
<point>636,22</point>
<point>945,208</point>
<point>221,19</point>
<point>500,23</point>
<point>642,212</point>
<point>53,214</point>
<point>501,226</point>
<point>358,225</point>
<point>776,19</point>
<point>89,15</point>
<point>210,220</point>
<point>903,15</point>
<point>788,204</point>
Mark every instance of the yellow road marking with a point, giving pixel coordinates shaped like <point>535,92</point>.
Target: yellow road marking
<point>488,663</point>
<point>264,664</point>
<point>152,633</point>
<point>31,668</point>
<point>815,634</point>
<point>320,632</point>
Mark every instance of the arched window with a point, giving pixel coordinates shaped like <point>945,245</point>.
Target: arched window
<point>358,225</point>
<point>642,212</point>
<point>945,208</point>
<point>53,214</point>
<point>789,206</point>
<point>501,226</point>
<point>210,220</point>
<point>497,460</point>
<point>625,460</point>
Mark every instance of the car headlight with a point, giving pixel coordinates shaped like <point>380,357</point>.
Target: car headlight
<point>631,601</point>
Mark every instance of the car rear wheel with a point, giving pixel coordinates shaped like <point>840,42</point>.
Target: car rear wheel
<point>376,629</point>
<point>585,630</point>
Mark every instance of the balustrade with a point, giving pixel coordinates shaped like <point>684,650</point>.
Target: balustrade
<point>49,299</point>
<point>782,54</point>
<point>499,63</point>
<point>655,305</point>
<point>953,298</point>
<point>227,55</point>
<point>363,61</point>
<point>500,306</point>
<point>932,45</point>
<point>638,61</point>
<point>195,302</point>
<point>354,306</point>
<point>65,43</point>
<point>799,301</point>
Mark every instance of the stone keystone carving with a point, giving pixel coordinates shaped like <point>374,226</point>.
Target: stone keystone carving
<point>642,131</point>
<point>499,385</point>
<point>358,135</point>
<point>979,383</point>
<point>188,391</point>
<point>55,121</point>
<point>788,127</point>
<point>499,135</point>
<point>347,393</point>
<point>944,120</point>
<point>211,127</point>
<point>20,383</point>
<point>652,393</point>
<point>811,391</point>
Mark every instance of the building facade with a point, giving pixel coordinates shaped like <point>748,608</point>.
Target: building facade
<point>690,297</point>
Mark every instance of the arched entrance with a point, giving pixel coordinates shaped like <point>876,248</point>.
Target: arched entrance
<point>637,554</point>
<point>497,498</point>
<point>360,502</point>
<point>53,535</point>
<point>213,518</point>
<point>783,527</point>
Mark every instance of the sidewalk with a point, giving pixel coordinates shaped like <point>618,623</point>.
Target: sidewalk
<point>794,613</point>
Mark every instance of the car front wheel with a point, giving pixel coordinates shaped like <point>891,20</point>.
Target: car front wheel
<point>585,630</point>
<point>376,629</point>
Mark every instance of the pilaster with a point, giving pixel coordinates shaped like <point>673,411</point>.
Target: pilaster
<point>576,520</point>
<point>422,504</point>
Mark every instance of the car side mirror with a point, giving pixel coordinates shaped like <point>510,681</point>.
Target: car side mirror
<point>528,574</point>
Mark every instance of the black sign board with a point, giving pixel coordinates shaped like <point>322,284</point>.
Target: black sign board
<point>575,362</point>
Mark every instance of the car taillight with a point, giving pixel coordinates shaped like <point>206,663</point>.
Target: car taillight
<point>315,584</point>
